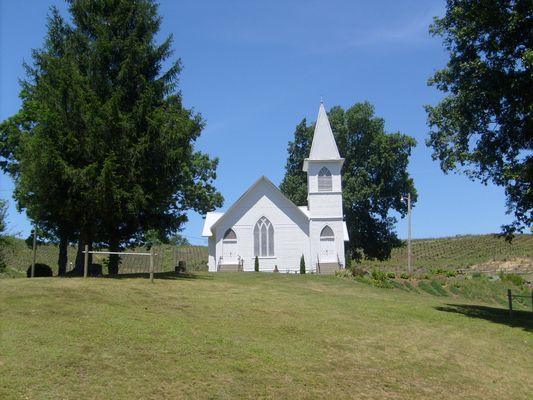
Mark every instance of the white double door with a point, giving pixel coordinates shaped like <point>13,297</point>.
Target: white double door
<point>230,252</point>
<point>328,252</point>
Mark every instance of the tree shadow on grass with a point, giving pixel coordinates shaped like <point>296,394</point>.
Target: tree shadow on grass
<point>170,275</point>
<point>521,319</point>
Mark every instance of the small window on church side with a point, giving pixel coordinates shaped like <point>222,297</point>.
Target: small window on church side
<point>263,238</point>
<point>324,180</point>
<point>230,236</point>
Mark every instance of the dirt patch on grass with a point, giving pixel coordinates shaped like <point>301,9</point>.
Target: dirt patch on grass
<point>516,265</point>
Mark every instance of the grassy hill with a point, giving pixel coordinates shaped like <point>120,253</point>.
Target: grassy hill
<point>461,252</point>
<point>248,335</point>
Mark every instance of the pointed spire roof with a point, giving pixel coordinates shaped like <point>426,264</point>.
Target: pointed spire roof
<point>323,147</point>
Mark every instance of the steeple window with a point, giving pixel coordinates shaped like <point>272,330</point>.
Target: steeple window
<point>324,180</point>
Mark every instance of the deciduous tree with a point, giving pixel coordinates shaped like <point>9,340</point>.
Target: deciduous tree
<point>484,125</point>
<point>374,180</point>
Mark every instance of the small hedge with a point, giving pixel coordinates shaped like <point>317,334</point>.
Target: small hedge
<point>41,271</point>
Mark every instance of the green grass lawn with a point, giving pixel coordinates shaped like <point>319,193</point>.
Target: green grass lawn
<point>248,335</point>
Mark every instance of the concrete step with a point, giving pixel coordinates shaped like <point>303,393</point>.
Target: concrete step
<point>228,268</point>
<point>328,268</point>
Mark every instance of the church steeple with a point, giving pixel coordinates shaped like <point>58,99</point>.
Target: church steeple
<point>323,147</point>
<point>324,196</point>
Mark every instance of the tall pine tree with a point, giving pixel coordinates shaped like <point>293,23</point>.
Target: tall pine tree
<point>104,117</point>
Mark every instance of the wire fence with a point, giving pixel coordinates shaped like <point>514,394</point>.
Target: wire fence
<point>18,256</point>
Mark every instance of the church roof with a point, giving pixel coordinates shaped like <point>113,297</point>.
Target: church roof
<point>213,219</point>
<point>210,219</point>
<point>323,146</point>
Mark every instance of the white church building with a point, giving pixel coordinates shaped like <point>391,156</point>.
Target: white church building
<point>265,223</point>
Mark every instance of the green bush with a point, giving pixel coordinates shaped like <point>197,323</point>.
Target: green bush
<point>391,275</point>
<point>514,279</point>
<point>378,275</point>
<point>256,264</point>
<point>41,270</point>
<point>404,275</point>
<point>358,271</point>
<point>349,261</point>
<point>302,265</point>
<point>343,273</point>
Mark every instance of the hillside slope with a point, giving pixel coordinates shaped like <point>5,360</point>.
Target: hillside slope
<point>247,335</point>
<point>471,251</point>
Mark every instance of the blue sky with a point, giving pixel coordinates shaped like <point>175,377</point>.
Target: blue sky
<point>255,69</point>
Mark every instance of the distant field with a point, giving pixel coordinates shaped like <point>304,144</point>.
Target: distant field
<point>462,252</point>
<point>19,256</point>
<point>459,252</point>
<point>254,335</point>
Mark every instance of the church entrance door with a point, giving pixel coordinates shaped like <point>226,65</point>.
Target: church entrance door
<point>327,250</point>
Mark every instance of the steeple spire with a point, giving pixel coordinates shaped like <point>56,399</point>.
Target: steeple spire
<point>323,146</point>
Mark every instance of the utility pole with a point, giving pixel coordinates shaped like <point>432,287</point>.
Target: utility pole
<point>409,267</point>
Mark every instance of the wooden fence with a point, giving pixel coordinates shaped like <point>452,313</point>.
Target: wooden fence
<point>511,296</point>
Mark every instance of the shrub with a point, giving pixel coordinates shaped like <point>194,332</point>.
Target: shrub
<point>442,271</point>
<point>343,273</point>
<point>95,270</point>
<point>378,275</point>
<point>256,264</point>
<point>515,279</point>
<point>404,275</point>
<point>349,261</point>
<point>41,270</point>
<point>358,271</point>
<point>391,275</point>
<point>302,265</point>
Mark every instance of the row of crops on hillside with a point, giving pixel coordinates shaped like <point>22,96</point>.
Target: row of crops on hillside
<point>459,251</point>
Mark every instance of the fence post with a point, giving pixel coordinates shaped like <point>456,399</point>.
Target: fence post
<point>510,297</point>
<point>34,251</point>
<point>86,261</point>
<point>152,264</point>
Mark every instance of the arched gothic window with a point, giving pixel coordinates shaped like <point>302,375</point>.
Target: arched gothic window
<point>263,238</point>
<point>327,233</point>
<point>324,180</point>
<point>230,236</point>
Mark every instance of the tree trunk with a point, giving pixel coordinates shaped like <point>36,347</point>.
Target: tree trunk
<point>62,259</point>
<point>83,240</point>
<point>114,259</point>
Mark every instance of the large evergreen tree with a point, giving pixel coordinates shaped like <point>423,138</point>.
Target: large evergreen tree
<point>106,124</point>
<point>484,125</point>
<point>374,180</point>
